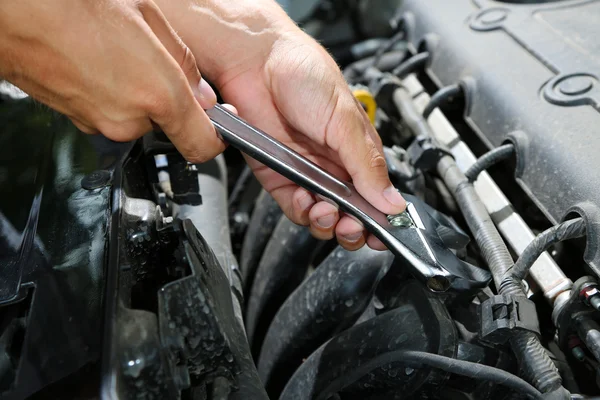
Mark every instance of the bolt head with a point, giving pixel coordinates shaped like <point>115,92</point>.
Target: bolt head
<point>402,220</point>
<point>588,292</point>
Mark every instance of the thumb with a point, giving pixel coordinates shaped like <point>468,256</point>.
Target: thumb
<point>354,139</point>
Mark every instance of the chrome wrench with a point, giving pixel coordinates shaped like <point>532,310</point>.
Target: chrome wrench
<point>414,235</point>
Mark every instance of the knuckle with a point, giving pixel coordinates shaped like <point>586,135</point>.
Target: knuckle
<point>188,62</point>
<point>376,160</point>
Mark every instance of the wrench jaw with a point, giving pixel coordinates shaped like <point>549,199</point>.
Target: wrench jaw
<point>421,245</point>
<point>413,235</point>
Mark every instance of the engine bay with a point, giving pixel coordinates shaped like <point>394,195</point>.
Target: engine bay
<point>128,272</point>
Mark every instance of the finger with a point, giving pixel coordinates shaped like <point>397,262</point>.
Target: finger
<point>375,243</point>
<point>230,108</point>
<point>83,127</point>
<point>350,233</point>
<point>174,107</point>
<point>180,53</point>
<point>125,131</point>
<point>295,203</point>
<point>323,218</point>
<point>348,134</point>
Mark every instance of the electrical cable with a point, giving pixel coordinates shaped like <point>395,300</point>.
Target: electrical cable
<point>418,358</point>
<point>566,230</point>
<point>489,159</point>
<point>411,65</point>
<point>441,97</point>
<point>387,46</point>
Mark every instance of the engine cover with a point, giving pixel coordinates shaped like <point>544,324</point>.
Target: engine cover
<point>531,72</point>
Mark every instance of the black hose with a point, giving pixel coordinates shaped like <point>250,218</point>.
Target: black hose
<point>387,46</point>
<point>451,365</point>
<point>441,97</point>
<point>533,359</point>
<point>387,62</point>
<point>486,235</point>
<point>329,301</point>
<point>489,159</point>
<point>240,186</point>
<point>281,269</point>
<point>570,229</point>
<point>411,65</point>
<point>264,218</point>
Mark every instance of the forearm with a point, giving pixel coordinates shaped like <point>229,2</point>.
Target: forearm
<point>228,37</point>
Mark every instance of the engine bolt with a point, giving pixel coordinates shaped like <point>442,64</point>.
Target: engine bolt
<point>402,220</point>
<point>590,295</point>
<point>578,353</point>
<point>574,344</point>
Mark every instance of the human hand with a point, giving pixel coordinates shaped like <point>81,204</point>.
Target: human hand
<point>113,66</point>
<point>283,82</point>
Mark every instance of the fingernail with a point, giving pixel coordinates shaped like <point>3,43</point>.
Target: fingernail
<point>327,221</point>
<point>206,93</point>
<point>353,237</point>
<point>393,196</point>
<point>306,201</point>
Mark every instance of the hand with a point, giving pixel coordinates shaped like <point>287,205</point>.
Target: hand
<point>283,82</point>
<point>113,66</point>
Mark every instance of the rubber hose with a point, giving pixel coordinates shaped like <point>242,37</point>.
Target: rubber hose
<point>566,230</point>
<point>386,63</point>
<point>489,159</point>
<point>441,97</point>
<point>486,235</point>
<point>537,366</point>
<point>281,269</point>
<point>418,358</point>
<point>330,300</point>
<point>264,218</point>
<point>387,46</point>
<point>411,65</point>
<point>535,363</point>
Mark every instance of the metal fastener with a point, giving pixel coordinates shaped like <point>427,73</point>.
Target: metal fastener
<point>402,220</point>
<point>590,295</point>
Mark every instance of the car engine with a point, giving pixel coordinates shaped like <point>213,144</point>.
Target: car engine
<point>129,273</point>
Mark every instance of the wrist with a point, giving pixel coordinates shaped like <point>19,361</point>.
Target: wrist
<point>229,38</point>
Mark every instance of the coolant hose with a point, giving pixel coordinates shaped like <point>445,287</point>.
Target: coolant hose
<point>282,268</point>
<point>329,301</point>
<point>264,218</point>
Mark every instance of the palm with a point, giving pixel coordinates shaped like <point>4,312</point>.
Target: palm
<point>261,107</point>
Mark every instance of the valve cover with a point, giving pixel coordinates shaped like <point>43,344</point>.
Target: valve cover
<point>532,75</point>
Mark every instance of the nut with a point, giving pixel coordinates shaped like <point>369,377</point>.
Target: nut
<point>588,292</point>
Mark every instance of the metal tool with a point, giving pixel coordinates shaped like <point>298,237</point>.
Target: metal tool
<point>413,235</point>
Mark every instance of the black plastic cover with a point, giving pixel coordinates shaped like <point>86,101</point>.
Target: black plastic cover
<point>532,76</point>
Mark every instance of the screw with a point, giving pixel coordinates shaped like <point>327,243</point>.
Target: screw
<point>590,295</point>
<point>578,353</point>
<point>402,220</point>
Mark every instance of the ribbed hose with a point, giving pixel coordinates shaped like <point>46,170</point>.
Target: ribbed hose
<point>537,366</point>
<point>532,357</point>
<point>489,159</point>
<point>490,242</point>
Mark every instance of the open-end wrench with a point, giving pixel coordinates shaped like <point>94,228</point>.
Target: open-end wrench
<point>413,235</point>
